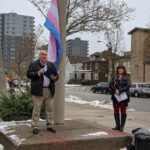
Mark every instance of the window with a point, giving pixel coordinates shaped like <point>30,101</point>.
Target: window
<point>96,65</point>
<point>143,85</point>
<point>133,85</point>
<point>90,66</point>
<point>95,76</point>
<point>92,57</point>
<point>85,66</point>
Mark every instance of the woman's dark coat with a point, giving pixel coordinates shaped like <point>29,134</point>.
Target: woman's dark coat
<point>122,85</point>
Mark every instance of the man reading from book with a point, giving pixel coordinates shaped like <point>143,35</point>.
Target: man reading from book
<point>43,75</point>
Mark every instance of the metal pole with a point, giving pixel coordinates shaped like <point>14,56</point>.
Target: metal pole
<point>59,98</point>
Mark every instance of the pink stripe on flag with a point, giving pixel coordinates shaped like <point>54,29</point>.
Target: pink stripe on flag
<point>54,2</point>
<point>54,20</point>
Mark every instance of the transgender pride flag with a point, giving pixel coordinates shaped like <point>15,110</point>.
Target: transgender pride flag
<point>52,24</point>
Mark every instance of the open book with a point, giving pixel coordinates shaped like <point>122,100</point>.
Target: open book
<point>123,96</point>
<point>50,72</point>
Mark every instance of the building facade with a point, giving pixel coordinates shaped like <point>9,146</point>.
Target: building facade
<point>95,69</point>
<point>124,60</point>
<point>16,38</point>
<point>77,47</point>
<point>74,67</point>
<point>140,54</point>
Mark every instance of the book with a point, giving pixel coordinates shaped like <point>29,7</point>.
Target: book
<point>50,72</point>
<point>123,96</point>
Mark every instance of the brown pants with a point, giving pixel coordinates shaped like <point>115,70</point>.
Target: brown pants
<point>37,103</point>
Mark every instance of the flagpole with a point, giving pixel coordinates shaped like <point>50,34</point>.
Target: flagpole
<point>59,98</point>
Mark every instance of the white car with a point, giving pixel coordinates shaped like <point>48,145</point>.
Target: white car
<point>140,89</point>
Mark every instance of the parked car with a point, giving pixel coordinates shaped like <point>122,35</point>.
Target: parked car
<point>101,87</point>
<point>140,89</point>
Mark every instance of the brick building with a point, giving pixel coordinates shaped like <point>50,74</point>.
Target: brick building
<point>140,54</point>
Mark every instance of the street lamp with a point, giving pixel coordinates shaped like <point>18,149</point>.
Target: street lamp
<point>109,46</point>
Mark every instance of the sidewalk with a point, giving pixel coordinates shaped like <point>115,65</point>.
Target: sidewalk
<point>73,135</point>
<point>86,128</point>
<point>83,130</point>
<point>103,116</point>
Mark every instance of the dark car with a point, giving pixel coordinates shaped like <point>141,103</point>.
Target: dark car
<point>101,87</point>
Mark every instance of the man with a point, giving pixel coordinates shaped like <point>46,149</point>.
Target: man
<point>42,89</point>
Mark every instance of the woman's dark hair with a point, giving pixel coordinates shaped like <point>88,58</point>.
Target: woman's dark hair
<point>121,67</point>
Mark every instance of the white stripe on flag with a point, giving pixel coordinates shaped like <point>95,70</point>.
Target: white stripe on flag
<point>54,11</point>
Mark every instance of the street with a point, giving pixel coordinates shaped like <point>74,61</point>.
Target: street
<point>136,104</point>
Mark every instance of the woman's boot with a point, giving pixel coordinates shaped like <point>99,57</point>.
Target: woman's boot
<point>123,121</point>
<point>117,120</point>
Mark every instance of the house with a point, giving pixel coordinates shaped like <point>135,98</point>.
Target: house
<point>73,66</point>
<point>99,66</point>
<point>118,59</point>
<point>95,69</point>
<point>124,60</point>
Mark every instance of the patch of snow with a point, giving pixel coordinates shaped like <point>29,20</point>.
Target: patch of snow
<point>42,119</point>
<point>16,139</point>
<point>6,132</point>
<point>131,109</point>
<point>72,85</point>
<point>96,103</point>
<point>96,134</point>
<point>68,119</point>
<point>1,147</point>
<point>5,126</point>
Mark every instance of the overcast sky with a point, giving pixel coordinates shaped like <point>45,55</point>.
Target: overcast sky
<point>142,18</point>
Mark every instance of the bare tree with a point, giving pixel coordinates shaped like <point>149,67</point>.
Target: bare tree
<point>26,49</point>
<point>39,38</point>
<point>2,76</point>
<point>25,52</point>
<point>114,40</point>
<point>90,15</point>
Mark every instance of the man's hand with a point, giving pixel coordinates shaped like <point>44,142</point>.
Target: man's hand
<point>117,92</point>
<point>41,72</point>
<point>53,77</point>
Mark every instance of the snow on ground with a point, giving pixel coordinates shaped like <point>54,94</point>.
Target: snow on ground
<point>96,134</point>
<point>96,103</point>
<point>72,85</point>
<point>1,147</point>
<point>131,109</point>
<point>17,140</point>
<point>8,128</point>
<point>78,87</point>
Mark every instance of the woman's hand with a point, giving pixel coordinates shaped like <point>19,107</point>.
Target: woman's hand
<point>117,92</point>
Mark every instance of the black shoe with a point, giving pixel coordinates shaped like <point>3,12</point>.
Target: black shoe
<point>51,130</point>
<point>121,129</point>
<point>35,130</point>
<point>116,128</point>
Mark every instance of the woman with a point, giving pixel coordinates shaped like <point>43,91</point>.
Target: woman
<point>120,84</point>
